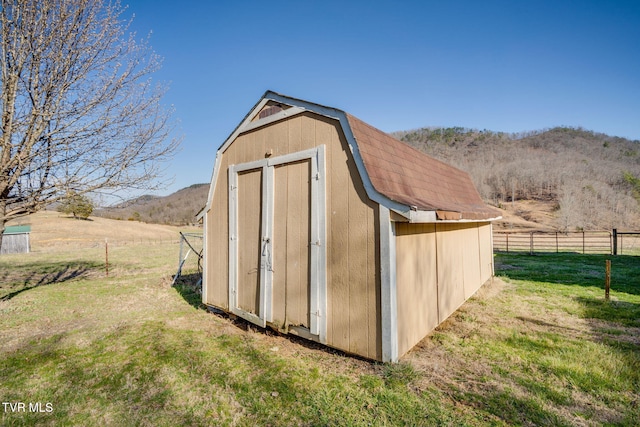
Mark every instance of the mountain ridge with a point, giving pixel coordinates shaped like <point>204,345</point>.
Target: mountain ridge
<point>178,208</point>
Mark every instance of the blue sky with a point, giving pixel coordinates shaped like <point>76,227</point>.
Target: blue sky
<point>500,65</point>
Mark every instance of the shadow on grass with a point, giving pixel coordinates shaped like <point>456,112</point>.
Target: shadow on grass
<point>189,286</point>
<point>572,269</point>
<point>513,409</point>
<point>623,312</point>
<point>13,282</point>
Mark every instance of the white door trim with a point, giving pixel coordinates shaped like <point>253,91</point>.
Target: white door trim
<point>318,248</point>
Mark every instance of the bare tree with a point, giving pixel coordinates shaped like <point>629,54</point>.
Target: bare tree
<point>79,111</point>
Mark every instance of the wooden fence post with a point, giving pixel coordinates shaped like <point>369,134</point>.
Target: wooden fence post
<point>615,241</point>
<point>531,243</point>
<point>607,279</point>
<point>106,256</point>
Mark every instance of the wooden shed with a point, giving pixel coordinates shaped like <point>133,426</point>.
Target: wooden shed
<point>15,240</point>
<point>320,225</point>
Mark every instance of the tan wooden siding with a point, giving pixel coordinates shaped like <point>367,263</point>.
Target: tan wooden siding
<point>437,268</point>
<point>486,255</point>
<point>249,221</point>
<point>450,269</point>
<point>216,274</point>
<point>281,202</point>
<point>416,283</point>
<point>472,279</point>
<point>353,322</point>
<point>291,239</point>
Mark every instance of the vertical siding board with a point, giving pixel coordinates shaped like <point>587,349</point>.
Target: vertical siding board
<point>372,284</point>
<point>223,242</point>
<point>219,257</point>
<point>338,291</point>
<point>298,221</point>
<point>294,218</point>
<point>486,253</point>
<point>304,242</point>
<point>332,142</point>
<point>432,279</point>
<point>241,148</point>
<point>440,268</point>
<point>417,291</point>
<point>306,128</point>
<point>274,141</point>
<point>471,260</point>
<point>213,262</point>
<point>450,241</point>
<point>446,284</point>
<point>358,278</point>
<point>457,243</point>
<point>249,238</point>
<point>280,245</point>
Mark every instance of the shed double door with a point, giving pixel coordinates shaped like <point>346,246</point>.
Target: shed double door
<point>276,242</point>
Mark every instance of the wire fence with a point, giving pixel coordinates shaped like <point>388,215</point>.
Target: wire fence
<point>585,242</point>
<point>52,245</point>
<point>190,256</point>
<point>627,243</point>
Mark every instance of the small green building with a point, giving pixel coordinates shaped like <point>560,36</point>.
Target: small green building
<point>15,240</point>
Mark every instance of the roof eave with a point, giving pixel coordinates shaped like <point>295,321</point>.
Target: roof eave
<point>424,216</point>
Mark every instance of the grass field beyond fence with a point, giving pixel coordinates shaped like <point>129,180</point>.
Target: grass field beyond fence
<point>537,346</point>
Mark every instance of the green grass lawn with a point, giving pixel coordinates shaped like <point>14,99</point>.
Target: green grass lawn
<point>541,348</point>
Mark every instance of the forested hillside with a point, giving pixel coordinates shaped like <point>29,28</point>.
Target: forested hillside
<point>179,208</point>
<point>591,179</point>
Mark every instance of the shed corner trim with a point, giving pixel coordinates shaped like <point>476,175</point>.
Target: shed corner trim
<point>389,305</point>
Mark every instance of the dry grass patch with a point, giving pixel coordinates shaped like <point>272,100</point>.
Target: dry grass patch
<point>53,231</point>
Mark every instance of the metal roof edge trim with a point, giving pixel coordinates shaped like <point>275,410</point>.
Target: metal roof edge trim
<point>416,219</point>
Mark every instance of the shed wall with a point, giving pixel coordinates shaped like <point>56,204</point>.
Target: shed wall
<point>439,266</point>
<point>416,283</point>
<point>353,318</point>
<point>15,243</point>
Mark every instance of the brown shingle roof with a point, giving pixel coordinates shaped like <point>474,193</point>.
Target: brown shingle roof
<point>410,177</point>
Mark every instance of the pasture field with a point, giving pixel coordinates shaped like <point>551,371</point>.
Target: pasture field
<point>538,345</point>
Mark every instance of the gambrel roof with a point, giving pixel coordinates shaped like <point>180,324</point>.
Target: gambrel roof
<point>411,177</point>
<point>396,175</point>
